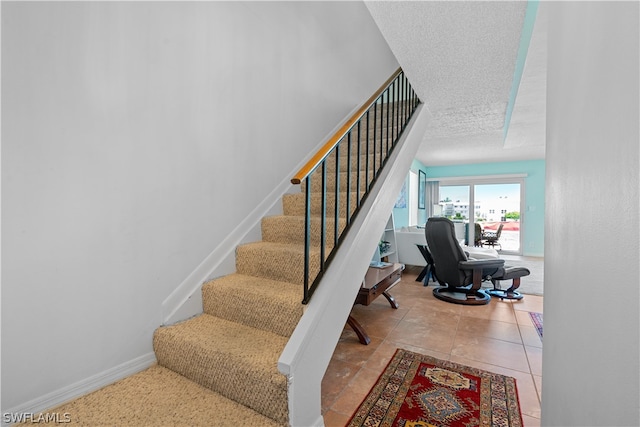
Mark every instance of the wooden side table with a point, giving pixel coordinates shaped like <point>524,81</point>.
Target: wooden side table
<point>376,282</point>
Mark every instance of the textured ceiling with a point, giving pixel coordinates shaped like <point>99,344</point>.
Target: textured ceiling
<point>461,58</point>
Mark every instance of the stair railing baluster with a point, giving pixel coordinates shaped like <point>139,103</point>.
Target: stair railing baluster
<point>381,130</point>
<point>375,126</point>
<point>399,105</point>
<point>381,137</point>
<point>401,101</point>
<point>405,103</point>
<point>398,121</point>
<point>336,203</point>
<point>406,95</point>
<point>410,96</point>
<point>388,130</point>
<point>348,201</point>
<point>358,168</point>
<point>367,160</point>
<point>381,146</point>
<point>323,214</point>
<point>393,114</point>
<point>307,236</point>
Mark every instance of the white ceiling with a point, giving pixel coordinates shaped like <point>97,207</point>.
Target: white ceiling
<point>460,57</point>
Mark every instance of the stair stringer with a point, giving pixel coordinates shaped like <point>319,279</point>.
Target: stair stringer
<point>309,350</point>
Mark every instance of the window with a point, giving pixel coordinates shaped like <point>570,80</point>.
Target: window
<point>479,200</point>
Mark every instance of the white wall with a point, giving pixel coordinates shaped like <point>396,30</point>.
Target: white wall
<point>135,137</point>
<point>591,304</point>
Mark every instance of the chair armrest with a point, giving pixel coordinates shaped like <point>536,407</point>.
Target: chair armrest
<point>481,263</point>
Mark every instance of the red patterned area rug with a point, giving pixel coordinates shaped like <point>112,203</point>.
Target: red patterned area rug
<point>421,391</point>
<point>536,318</point>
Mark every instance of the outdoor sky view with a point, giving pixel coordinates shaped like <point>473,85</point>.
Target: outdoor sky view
<point>493,202</point>
<point>489,192</point>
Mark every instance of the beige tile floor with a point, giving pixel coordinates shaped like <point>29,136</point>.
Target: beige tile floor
<point>498,337</point>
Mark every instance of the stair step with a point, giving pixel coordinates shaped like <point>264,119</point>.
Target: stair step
<point>158,396</point>
<point>294,204</point>
<point>353,165</point>
<point>277,261</point>
<point>316,181</point>
<point>260,303</point>
<point>290,229</point>
<point>374,134</point>
<point>234,360</point>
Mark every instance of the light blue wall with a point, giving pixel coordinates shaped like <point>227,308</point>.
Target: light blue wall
<point>534,185</point>
<point>401,215</point>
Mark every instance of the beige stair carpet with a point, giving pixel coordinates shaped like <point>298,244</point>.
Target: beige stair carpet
<point>155,397</point>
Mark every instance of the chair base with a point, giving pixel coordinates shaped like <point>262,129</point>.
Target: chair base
<point>505,294</point>
<point>513,273</point>
<point>463,296</point>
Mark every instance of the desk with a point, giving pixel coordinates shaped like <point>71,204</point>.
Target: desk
<point>376,282</point>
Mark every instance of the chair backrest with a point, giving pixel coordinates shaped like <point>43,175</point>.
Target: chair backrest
<point>477,238</point>
<point>499,231</point>
<point>446,251</point>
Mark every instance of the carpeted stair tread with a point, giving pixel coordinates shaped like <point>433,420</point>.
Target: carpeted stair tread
<point>237,361</point>
<point>277,261</point>
<point>158,397</point>
<point>294,204</point>
<point>316,181</point>
<point>290,229</point>
<point>261,303</point>
<point>353,166</point>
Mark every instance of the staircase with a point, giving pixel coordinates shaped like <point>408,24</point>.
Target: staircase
<point>234,346</point>
<point>220,367</point>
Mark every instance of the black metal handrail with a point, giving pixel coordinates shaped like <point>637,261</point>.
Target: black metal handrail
<point>376,127</point>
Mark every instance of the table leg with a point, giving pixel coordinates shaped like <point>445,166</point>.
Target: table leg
<point>391,299</point>
<point>359,330</point>
<point>429,269</point>
<point>424,272</point>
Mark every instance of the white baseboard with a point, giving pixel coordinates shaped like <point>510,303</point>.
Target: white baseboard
<point>80,388</point>
<point>534,254</point>
<point>221,261</point>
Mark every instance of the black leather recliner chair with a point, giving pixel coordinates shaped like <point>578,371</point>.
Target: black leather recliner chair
<point>464,276</point>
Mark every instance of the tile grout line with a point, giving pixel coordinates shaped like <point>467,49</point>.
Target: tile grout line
<point>524,347</point>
